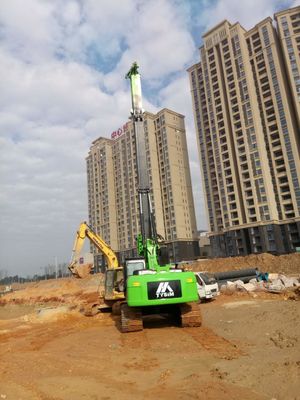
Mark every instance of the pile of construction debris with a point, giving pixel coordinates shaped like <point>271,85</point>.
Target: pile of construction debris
<point>273,283</point>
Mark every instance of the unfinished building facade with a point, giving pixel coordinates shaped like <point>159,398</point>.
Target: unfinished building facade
<point>113,192</point>
<point>246,97</point>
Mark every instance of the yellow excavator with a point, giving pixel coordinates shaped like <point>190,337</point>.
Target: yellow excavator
<point>114,282</point>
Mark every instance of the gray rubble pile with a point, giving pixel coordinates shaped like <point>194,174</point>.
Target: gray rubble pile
<point>276,283</point>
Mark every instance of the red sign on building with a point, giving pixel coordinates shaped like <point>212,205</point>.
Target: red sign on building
<point>119,132</point>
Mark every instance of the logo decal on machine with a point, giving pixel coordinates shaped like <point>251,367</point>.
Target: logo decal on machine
<point>164,290</point>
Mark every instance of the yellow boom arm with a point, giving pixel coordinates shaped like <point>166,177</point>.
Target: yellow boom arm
<point>83,232</point>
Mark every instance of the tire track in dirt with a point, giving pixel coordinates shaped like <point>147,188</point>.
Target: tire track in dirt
<point>214,343</point>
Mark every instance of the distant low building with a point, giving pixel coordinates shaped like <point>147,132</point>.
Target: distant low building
<point>204,244</point>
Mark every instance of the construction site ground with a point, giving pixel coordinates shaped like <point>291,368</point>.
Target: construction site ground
<point>247,348</point>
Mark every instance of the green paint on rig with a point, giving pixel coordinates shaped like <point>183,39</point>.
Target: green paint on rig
<point>165,285</point>
<point>149,250</point>
<point>136,90</point>
<point>153,280</point>
<point>133,71</point>
<point>161,288</point>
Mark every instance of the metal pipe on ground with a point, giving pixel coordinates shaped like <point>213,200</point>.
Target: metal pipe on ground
<point>236,274</point>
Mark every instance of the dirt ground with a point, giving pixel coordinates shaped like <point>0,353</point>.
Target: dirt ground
<point>247,348</point>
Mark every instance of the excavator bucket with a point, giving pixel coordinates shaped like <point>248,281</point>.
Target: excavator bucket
<point>81,270</point>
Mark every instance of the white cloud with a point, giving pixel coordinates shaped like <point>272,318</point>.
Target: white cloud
<point>51,113</point>
<point>62,85</point>
<point>159,40</point>
<point>54,102</point>
<point>247,12</point>
<point>27,28</point>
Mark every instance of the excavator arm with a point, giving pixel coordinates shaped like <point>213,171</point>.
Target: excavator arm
<point>82,270</point>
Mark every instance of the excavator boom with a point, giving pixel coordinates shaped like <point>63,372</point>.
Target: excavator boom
<point>81,270</point>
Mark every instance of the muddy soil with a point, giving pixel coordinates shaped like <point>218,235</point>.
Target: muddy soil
<point>247,348</point>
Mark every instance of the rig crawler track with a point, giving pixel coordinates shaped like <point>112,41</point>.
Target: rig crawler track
<point>131,319</point>
<point>190,315</point>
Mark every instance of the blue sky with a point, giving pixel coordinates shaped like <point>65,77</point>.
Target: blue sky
<point>62,85</point>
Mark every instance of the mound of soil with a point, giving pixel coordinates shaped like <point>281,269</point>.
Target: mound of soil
<point>66,290</point>
<point>286,264</point>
